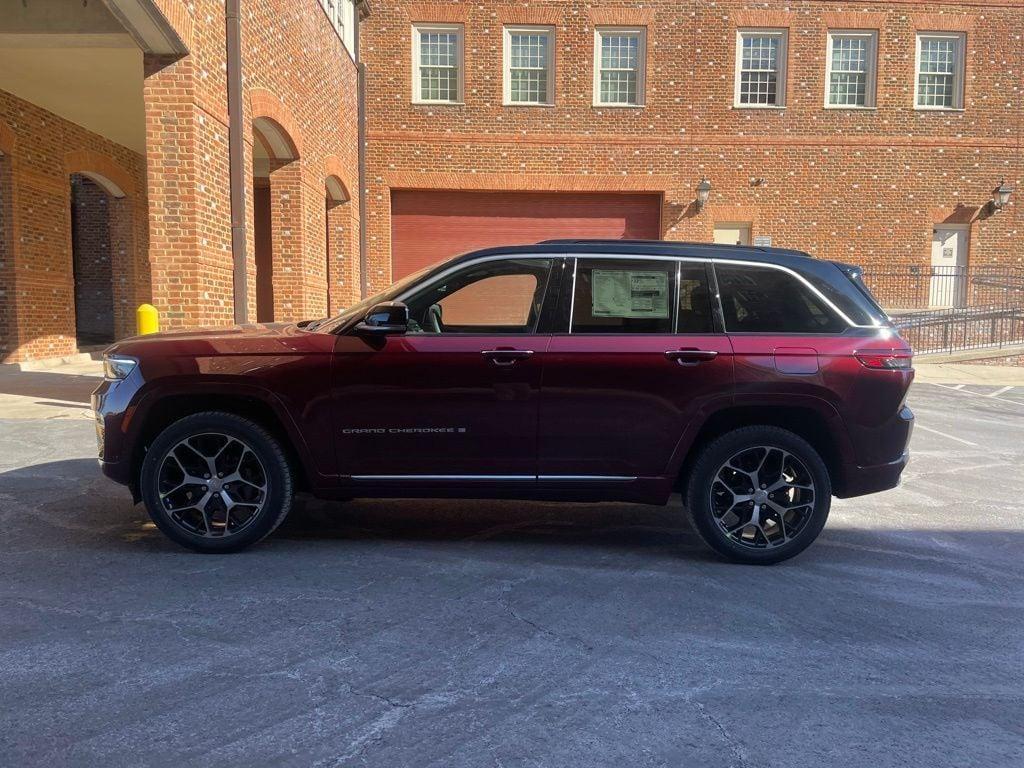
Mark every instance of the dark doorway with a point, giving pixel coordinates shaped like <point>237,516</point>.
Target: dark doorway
<point>264,251</point>
<point>91,262</point>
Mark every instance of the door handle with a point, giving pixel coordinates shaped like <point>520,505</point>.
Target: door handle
<point>506,356</point>
<point>691,357</point>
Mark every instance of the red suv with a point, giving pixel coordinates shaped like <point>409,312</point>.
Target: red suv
<point>757,382</point>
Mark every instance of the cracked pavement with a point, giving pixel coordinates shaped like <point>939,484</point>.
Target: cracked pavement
<point>480,633</point>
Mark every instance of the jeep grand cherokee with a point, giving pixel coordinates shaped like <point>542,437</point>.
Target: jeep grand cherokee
<point>757,382</point>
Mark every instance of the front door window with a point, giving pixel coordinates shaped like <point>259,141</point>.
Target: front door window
<point>493,297</point>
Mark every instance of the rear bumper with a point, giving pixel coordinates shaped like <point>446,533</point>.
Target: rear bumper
<point>859,481</point>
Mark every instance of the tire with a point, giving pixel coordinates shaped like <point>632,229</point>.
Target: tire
<point>791,504</point>
<point>177,471</point>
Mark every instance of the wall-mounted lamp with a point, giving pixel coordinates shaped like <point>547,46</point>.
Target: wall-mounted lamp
<point>703,192</point>
<point>1001,196</point>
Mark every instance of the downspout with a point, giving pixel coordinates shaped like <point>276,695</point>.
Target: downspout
<point>236,159</point>
<point>364,277</point>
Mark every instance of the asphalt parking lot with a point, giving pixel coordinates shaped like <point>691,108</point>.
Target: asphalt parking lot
<point>409,633</point>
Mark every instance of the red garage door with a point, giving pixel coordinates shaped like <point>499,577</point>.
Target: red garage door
<point>430,226</point>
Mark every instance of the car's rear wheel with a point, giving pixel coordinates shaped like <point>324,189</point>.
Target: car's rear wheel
<point>216,482</point>
<point>759,494</point>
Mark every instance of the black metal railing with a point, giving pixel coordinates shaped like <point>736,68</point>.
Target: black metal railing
<point>949,309</point>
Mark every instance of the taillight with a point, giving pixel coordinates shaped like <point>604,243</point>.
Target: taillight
<point>886,359</point>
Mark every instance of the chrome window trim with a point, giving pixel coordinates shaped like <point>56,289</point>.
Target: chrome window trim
<point>807,283</point>
<point>642,257</point>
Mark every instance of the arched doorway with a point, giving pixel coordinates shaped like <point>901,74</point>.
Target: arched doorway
<point>93,244</point>
<point>277,221</point>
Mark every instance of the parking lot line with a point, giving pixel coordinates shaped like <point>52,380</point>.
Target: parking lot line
<point>992,396</point>
<point>943,434</point>
<point>999,392</point>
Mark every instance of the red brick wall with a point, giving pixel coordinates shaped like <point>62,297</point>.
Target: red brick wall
<point>38,283</point>
<point>864,186</point>
<point>173,245</point>
<point>298,74</point>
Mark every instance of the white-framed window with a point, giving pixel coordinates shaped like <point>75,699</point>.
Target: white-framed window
<point>761,67</point>
<point>529,72</point>
<point>341,14</point>
<point>620,54</point>
<point>850,68</point>
<point>939,83</point>
<point>437,63</point>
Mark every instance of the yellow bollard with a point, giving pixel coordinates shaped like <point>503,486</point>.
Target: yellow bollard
<point>147,319</point>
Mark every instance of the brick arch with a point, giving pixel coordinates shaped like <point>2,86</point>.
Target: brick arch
<point>100,168</point>
<point>6,139</point>
<point>338,180</point>
<point>264,104</point>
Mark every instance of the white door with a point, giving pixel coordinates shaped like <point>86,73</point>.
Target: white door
<point>949,268</point>
<point>732,233</point>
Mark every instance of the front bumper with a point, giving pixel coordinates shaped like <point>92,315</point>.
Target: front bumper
<point>111,404</point>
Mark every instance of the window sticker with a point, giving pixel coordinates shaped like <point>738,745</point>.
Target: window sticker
<point>622,293</point>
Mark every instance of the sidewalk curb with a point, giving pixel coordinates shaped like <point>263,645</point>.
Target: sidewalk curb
<point>7,369</point>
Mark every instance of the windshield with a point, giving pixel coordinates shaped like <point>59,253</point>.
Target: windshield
<point>360,309</point>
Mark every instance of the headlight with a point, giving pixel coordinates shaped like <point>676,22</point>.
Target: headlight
<point>115,368</point>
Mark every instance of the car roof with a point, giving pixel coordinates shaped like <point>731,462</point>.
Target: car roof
<point>781,256</point>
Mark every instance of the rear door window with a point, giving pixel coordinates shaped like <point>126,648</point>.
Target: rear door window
<point>624,296</point>
<point>768,300</point>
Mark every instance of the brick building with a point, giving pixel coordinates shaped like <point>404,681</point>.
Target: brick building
<point>872,132</point>
<point>117,169</point>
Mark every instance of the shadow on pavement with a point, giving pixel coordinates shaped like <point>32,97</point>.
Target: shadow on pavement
<point>50,386</point>
<point>95,514</point>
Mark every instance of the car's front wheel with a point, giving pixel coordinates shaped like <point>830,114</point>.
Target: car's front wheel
<point>759,494</point>
<point>216,482</point>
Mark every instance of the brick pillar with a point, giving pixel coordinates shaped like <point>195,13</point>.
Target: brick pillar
<point>168,93</point>
<point>342,255</point>
<point>8,291</point>
<point>129,277</point>
<point>286,235</point>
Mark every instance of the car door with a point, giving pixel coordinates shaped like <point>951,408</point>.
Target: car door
<point>456,397</point>
<point>637,362</point>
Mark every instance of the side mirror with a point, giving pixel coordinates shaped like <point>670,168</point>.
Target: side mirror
<point>387,318</point>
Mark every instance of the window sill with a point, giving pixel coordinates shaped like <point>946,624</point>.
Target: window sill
<point>939,109</point>
<point>851,108</point>
<point>417,103</point>
<point>527,104</point>
<point>759,106</point>
<point>618,106</point>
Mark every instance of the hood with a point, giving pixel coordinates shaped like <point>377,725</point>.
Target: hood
<point>251,338</point>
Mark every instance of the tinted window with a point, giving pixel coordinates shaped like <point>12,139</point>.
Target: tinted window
<point>623,296</point>
<point>490,297</point>
<point>694,300</point>
<point>766,300</point>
